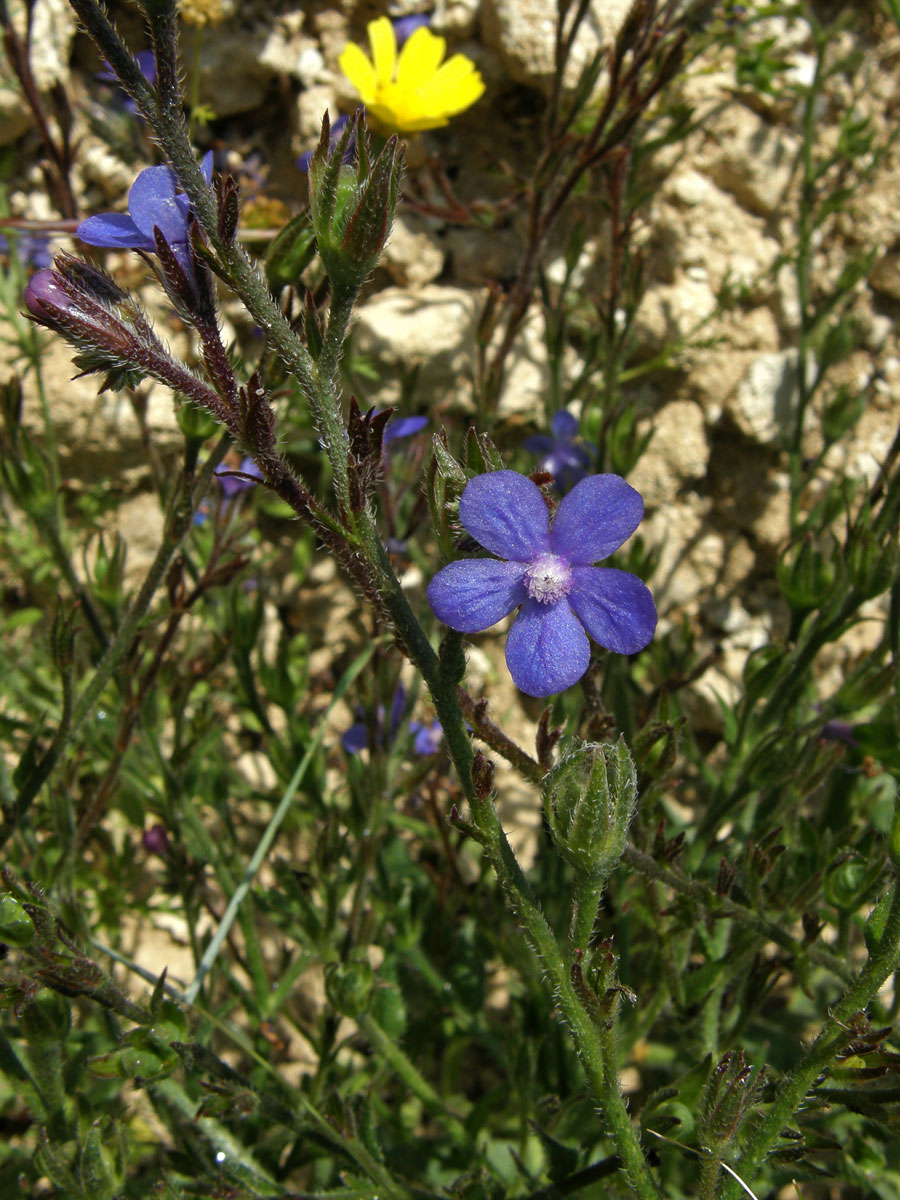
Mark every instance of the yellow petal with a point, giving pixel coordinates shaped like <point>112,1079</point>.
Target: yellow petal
<point>420,58</point>
<point>456,86</point>
<point>359,71</point>
<point>383,41</point>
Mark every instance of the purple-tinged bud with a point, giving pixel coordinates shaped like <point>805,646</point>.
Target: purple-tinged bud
<point>156,841</point>
<point>45,288</point>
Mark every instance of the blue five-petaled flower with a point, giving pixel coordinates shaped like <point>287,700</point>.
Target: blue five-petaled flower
<point>549,572</point>
<point>153,202</point>
<point>562,452</point>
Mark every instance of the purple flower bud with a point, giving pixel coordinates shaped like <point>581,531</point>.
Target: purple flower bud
<point>44,288</point>
<point>156,841</point>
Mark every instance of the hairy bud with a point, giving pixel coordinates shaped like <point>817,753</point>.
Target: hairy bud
<point>589,800</point>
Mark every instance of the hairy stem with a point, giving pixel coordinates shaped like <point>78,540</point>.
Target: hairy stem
<point>831,1039</point>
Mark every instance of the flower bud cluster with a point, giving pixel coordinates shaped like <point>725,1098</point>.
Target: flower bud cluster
<point>86,307</point>
<point>352,206</point>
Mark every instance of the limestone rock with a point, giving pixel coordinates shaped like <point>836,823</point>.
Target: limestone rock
<point>479,255</point>
<point>15,116</point>
<point>678,453</point>
<point>752,159</point>
<point>53,27</point>
<point>696,564</point>
<point>140,522</point>
<point>720,236</point>
<point>433,329</point>
<point>232,78</point>
<point>456,17</point>
<point>764,403</point>
<point>670,312</point>
<point>413,256</point>
<point>312,104</point>
<point>522,33</point>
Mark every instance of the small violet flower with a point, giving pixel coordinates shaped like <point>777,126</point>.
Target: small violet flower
<point>231,484</point>
<point>405,27</point>
<point>153,202</point>
<point>549,573</point>
<point>426,737</point>
<point>414,89</point>
<point>33,249</point>
<point>402,427</point>
<point>146,61</point>
<point>563,453</point>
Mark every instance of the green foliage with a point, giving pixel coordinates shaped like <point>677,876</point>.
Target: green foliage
<point>242,960</point>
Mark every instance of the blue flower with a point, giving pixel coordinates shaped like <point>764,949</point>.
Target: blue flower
<point>426,737</point>
<point>146,61</point>
<point>153,203</point>
<point>563,454</point>
<point>33,249</point>
<point>232,484</point>
<point>402,427</point>
<point>405,27</point>
<point>548,573</point>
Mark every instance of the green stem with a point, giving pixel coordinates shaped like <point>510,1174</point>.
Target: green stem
<point>831,1039</point>
<point>49,530</point>
<point>588,893</point>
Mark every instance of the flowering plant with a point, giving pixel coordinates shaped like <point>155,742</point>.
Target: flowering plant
<point>548,575</point>
<point>154,203</point>
<point>416,89</point>
<point>377,994</point>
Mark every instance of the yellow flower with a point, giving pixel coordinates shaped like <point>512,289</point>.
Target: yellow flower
<point>413,91</point>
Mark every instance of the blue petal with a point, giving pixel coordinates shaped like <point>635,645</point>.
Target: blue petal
<point>401,427</point>
<point>152,201</point>
<point>598,515</point>
<point>615,607</point>
<point>506,513</point>
<point>473,594</point>
<point>426,738</point>
<point>356,738</point>
<point>115,230</point>
<point>539,443</point>
<point>206,166</point>
<point>146,60</point>
<point>564,426</point>
<point>547,650</point>
<point>398,704</point>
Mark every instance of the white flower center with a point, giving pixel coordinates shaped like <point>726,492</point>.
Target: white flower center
<point>548,579</point>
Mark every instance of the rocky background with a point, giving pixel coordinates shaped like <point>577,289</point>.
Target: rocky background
<point>722,214</point>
